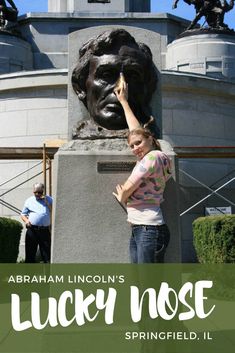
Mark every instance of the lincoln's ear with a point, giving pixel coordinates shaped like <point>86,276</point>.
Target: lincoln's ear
<point>78,80</point>
<point>78,90</point>
<point>81,95</point>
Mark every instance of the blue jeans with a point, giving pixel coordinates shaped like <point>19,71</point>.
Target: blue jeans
<point>148,243</point>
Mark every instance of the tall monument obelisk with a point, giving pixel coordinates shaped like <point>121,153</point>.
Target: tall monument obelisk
<point>99,6</point>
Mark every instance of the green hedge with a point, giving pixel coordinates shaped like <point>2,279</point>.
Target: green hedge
<point>214,239</point>
<point>10,233</point>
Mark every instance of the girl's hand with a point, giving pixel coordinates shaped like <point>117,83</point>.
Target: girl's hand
<point>122,91</point>
<point>119,193</point>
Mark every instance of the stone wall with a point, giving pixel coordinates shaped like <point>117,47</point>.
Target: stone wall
<point>207,54</point>
<point>33,110</point>
<point>48,33</point>
<point>199,111</point>
<point>15,54</point>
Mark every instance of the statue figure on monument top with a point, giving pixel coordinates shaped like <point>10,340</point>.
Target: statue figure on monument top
<point>212,10</point>
<point>100,62</point>
<point>7,13</point>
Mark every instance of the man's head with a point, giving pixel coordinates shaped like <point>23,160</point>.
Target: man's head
<point>100,62</point>
<point>38,190</point>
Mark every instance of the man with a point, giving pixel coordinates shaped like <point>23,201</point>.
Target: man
<point>100,62</point>
<point>37,214</point>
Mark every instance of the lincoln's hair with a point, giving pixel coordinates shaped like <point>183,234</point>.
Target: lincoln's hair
<point>106,43</point>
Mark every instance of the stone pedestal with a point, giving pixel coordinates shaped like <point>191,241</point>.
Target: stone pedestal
<point>15,54</point>
<point>89,224</point>
<point>207,54</point>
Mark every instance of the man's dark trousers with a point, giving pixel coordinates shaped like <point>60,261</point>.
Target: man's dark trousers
<point>37,236</point>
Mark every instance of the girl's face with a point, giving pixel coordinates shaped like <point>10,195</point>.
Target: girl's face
<point>140,145</point>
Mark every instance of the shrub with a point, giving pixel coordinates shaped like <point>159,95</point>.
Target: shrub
<point>10,233</point>
<point>214,239</point>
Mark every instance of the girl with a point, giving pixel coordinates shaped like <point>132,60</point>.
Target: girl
<point>142,193</point>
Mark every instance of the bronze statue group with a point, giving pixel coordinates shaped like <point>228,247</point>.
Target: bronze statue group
<point>212,10</point>
<point>7,13</point>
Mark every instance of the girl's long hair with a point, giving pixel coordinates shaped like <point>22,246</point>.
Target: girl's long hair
<point>145,133</point>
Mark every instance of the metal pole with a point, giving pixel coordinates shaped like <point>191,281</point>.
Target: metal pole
<point>44,168</point>
<point>50,176</point>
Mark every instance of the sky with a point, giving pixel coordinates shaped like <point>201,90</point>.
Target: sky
<point>183,10</point>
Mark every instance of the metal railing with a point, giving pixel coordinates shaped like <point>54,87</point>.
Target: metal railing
<point>207,152</point>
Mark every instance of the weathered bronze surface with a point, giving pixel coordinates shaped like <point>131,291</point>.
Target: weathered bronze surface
<point>7,13</point>
<point>212,10</point>
<point>100,62</point>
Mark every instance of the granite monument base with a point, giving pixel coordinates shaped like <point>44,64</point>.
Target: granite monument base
<point>89,225</point>
<point>209,54</point>
<point>15,53</point>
